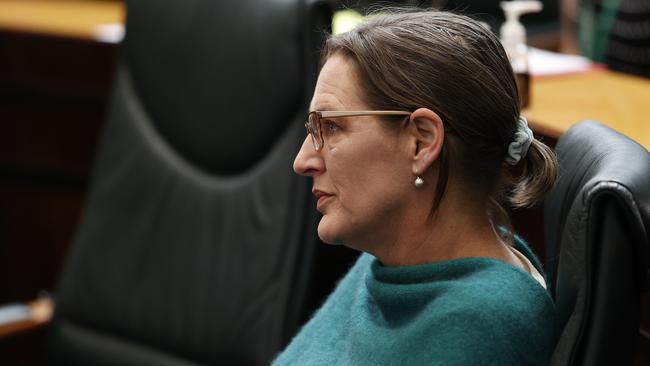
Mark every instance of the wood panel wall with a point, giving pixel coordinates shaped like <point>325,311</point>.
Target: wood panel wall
<point>53,95</point>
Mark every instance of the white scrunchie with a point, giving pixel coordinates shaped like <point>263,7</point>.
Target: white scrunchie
<point>518,148</point>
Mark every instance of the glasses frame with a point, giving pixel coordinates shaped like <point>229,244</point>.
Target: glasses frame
<point>313,124</point>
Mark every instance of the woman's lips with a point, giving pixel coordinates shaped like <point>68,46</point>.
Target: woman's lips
<point>322,199</point>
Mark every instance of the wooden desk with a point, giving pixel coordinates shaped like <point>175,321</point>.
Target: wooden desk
<point>619,101</point>
<point>63,18</point>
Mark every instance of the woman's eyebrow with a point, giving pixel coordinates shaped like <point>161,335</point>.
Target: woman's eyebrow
<point>327,104</point>
<point>325,107</point>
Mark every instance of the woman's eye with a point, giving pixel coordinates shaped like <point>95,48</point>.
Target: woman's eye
<point>330,127</point>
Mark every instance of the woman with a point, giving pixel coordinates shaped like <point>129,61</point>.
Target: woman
<point>415,117</point>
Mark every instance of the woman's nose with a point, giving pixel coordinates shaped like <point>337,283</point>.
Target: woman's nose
<point>308,162</point>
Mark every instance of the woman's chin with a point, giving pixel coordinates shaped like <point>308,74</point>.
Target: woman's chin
<point>327,233</point>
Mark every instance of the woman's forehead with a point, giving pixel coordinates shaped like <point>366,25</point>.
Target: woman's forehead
<point>337,87</point>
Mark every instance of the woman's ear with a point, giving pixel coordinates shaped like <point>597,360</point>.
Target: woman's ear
<point>428,133</point>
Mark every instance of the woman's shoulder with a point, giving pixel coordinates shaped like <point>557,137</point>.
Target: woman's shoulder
<point>488,280</point>
<point>499,312</point>
<point>487,289</point>
<point>491,286</point>
<point>496,310</point>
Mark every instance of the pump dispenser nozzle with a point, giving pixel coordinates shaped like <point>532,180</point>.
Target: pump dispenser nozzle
<point>513,37</point>
<point>512,31</point>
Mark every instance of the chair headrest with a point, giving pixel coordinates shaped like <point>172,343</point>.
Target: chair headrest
<point>596,160</point>
<point>245,50</point>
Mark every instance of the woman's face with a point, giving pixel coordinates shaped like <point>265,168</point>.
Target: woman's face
<point>362,175</point>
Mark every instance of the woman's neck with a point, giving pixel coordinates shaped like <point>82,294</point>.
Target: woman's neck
<point>457,230</point>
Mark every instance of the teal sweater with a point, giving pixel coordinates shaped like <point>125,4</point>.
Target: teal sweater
<point>470,311</point>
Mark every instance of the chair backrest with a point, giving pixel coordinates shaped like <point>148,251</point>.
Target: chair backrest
<point>198,240</point>
<point>597,221</point>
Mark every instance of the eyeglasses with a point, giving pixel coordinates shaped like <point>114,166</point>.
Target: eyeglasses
<point>313,124</point>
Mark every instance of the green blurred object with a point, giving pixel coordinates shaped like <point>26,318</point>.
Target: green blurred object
<point>345,20</point>
<point>594,26</point>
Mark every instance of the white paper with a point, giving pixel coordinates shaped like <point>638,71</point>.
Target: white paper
<point>543,63</point>
<point>13,313</point>
<point>109,33</point>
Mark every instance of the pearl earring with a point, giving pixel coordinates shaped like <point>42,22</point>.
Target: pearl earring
<point>419,182</point>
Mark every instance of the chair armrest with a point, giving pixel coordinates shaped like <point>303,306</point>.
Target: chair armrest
<point>22,317</point>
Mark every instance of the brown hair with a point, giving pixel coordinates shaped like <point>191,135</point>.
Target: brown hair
<point>456,67</point>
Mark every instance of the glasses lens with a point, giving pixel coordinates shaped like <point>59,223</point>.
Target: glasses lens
<point>309,132</point>
<point>314,130</point>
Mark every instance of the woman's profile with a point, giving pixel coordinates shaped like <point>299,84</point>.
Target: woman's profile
<point>415,144</point>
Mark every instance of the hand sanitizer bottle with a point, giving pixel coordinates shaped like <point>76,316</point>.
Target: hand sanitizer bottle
<point>513,37</point>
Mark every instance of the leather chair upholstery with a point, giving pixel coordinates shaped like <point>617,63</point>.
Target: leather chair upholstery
<point>597,221</point>
<point>198,241</point>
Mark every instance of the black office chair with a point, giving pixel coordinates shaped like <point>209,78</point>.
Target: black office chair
<point>198,241</point>
<point>597,221</point>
